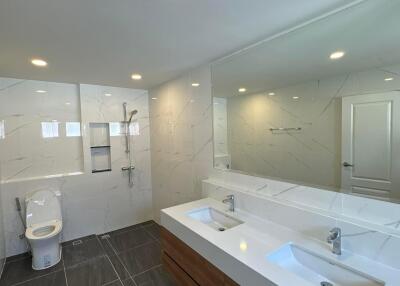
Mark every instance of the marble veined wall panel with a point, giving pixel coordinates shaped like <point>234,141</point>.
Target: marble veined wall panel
<point>40,131</point>
<point>181,138</point>
<point>91,203</point>
<point>311,155</point>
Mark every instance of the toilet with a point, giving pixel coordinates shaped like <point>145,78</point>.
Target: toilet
<point>43,228</point>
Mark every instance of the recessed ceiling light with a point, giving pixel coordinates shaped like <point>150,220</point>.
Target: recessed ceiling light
<point>154,98</point>
<point>337,55</point>
<point>242,89</point>
<point>41,91</point>
<point>295,97</point>
<point>389,79</point>
<point>39,62</point>
<point>271,93</point>
<point>107,94</point>
<point>196,84</point>
<point>136,76</point>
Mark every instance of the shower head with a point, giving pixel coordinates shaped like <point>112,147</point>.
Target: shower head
<point>134,112</point>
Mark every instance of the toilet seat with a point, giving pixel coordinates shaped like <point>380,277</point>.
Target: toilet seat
<point>43,230</point>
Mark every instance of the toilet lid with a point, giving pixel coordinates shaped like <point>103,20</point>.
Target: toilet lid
<point>43,230</point>
<point>42,206</point>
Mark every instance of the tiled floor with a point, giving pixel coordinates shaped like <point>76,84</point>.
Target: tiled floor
<point>125,257</point>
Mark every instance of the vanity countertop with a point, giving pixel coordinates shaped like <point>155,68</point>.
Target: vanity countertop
<point>241,252</point>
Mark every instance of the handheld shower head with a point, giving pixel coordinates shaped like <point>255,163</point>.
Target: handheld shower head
<point>134,112</point>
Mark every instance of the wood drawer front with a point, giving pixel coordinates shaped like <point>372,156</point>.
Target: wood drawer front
<point>197,267</point>
<point>180,276</point>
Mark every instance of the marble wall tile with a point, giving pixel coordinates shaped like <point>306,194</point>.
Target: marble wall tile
<point>311,156</point>
<point>38,139</point>
<point>181,138</point>
<point>94,203</point>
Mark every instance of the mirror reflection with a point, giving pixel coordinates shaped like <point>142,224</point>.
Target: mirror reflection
<point>319,106</point>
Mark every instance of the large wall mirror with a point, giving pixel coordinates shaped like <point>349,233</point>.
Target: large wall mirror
<point>319,106</point>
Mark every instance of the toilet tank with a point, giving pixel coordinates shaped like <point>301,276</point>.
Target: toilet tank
<point>42,206</point>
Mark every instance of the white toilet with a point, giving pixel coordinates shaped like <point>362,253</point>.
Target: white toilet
<point>43,228</point>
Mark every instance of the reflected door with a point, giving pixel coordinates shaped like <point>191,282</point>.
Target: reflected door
<point>370,145</point>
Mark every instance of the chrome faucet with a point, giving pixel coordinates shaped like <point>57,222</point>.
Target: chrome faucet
<point>335,238</point>
<point>231,201</point>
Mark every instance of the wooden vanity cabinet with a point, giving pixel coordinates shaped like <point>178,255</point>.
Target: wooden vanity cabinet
<point>187,266</point>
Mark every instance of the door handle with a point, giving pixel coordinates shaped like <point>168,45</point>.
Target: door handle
<point>345,164</point>
<point>127,168</point>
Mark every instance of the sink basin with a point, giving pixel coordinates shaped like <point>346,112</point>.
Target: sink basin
<point>319,270</point>
<point>214,218</point>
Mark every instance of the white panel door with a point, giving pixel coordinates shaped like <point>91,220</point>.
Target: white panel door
<point>371,145</point>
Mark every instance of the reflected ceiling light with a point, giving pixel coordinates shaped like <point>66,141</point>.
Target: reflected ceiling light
<point>295,97</point>
<point>271,93</point>
<point>41,91</point>
<point>39,62</point>
<point>154,98</point>
<point>242,89</point>
<point>196,84</point>
<point>389,79</point>
<point>136,76</point>
<point>243,246</point>
<point>337,55</point>
<point>107,94</point>
<point>68,103</point>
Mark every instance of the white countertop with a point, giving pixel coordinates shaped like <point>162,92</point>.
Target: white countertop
<point>241,251</point>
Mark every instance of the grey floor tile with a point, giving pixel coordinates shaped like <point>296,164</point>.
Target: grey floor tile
<point>153,230</point>
<point>107,247</point>
<point>141,258</point>
<point>53,279</point>
<point>18,257</point>
<point>83,239</point>
<point>154,277</point>
<point>130,239</point>
<point>114,283</point>
<point>93,272</point>
<point>128,282</point>
<point>122,230</point>
<point>74,254</point>
<point>21,270</point>
<point>119,267</point>
<point>146,223</point>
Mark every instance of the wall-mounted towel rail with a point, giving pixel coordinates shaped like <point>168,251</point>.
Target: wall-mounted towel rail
<point>285,129</point>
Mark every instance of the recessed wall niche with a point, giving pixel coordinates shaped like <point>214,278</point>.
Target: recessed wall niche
<point>100,147</point>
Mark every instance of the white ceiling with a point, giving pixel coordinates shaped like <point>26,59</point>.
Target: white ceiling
<point>104,41</point>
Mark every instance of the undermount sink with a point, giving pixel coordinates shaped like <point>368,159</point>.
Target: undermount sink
<point>319,270</point>
<point>214,218</point>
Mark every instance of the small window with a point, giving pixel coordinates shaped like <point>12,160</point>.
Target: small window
<point>50,129</point>
<point>115,129</point>
<point>73,129</point>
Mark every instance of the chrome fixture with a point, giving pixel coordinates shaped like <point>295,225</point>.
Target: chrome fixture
<point>230,199</point>
<point>285,129</point>
<point>127,123</point>
<point>335,238</point>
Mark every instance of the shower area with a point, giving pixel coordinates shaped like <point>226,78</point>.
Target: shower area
<point>128,150</point>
